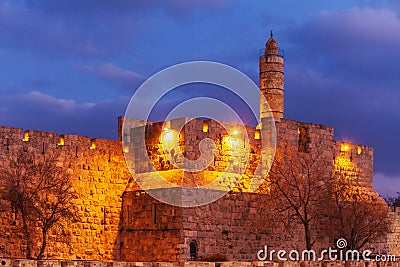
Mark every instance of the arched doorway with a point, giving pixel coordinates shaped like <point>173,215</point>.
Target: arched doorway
<point>193,250</point>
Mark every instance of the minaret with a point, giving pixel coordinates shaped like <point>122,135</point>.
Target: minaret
<point>272,79</point>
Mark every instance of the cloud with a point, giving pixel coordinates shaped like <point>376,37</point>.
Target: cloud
<point>126,79</point>
<point>9,87</point>
<point>387,185</point>
<point>177,7</point>
<point>349,73</point>
<point>36,110</point>
<point>22,28</point>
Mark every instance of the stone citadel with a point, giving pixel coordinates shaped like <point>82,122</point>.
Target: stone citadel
<point>122,222</point>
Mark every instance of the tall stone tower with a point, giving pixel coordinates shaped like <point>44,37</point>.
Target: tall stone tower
<point>272,79</point>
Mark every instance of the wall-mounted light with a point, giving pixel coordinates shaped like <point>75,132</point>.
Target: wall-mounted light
<point>235,132</point>
<point>167,126</point>
<point>61,141</point>
<point>344,147</point>
<point>26,136</point>
<point>92,145</point>
<point>168,136</point>
<point>257,134</point>
<point>205,127</point>
<point>359,150</point>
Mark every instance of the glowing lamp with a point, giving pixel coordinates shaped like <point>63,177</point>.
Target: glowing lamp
<point>168,136</point>
<point>344,147</point>
<point>205,127</point>
<point>235,132</point>
<point>26,137</point>
<point>93,145</point>
<point>61,141</point>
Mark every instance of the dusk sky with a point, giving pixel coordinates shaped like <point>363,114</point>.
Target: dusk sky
<point>71,66</point>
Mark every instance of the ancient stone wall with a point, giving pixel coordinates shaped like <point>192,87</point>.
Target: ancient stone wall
<point>393,239</point>
<point>355,164</point>
<point>236,225</point>
<point>227,226</point>
<point>99,176</point>
<point>180,145</point>
<point>150,229</point>
<point>58,263</point>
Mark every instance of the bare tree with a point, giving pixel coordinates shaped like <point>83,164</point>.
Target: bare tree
<point>393,201</point>
<point>300,186</point>
<point>357,215</point>
<point>42,195</point>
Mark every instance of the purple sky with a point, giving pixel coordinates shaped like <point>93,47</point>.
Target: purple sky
<point>71,66</point>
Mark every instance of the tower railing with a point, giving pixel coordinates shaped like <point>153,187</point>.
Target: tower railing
<point>281,53</point>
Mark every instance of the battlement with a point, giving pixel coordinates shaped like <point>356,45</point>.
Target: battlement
<point>33,140</point>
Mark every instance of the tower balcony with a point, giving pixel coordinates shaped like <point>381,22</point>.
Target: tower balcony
<point>281,53</point>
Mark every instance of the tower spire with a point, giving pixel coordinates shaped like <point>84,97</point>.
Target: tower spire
<point>271,34</point>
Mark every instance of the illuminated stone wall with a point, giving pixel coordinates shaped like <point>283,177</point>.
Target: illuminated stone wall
<point>236,225</point>
<point>168,145</point>
<point>100,177</point>
<point>393,239</point>
<point>354,163</point>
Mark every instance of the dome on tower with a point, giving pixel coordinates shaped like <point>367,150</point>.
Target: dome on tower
<point>271,47</point>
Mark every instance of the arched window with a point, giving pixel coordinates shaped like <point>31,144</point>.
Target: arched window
<point>193,251</point>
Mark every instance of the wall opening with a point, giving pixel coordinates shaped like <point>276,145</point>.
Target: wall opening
<point>155,213</point>
<point>93,144</point>
<point>26,136</point>
<point>205,126</point>
<point>193,251</point>
<point>303,139</point>
<point>61,141</point>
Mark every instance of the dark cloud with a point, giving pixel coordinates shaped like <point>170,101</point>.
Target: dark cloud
<point>128,80</point>
<point>21,28</point>
<point>387,185</point>
<point>39,111</point>
<point>342,70</point>
<point>90,7</point>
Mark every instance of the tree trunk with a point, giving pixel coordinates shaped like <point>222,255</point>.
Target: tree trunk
<point>27,236</point>
<point>307,236</point>
<point>44,243</point>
